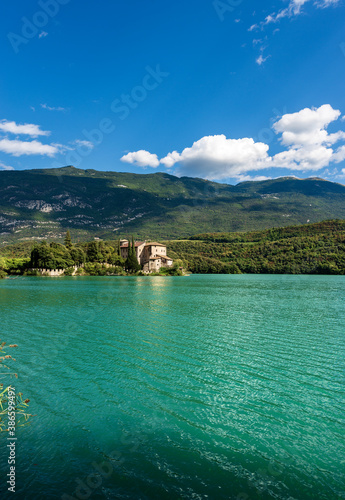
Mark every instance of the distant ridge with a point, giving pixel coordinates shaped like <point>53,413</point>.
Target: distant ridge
<point>38,204</point>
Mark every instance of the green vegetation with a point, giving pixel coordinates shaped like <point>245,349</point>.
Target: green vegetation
<point>43,204</point>
<point>96,258</point>
<point>68,240</point>
<point>132,265</point>
<point>309,249</point>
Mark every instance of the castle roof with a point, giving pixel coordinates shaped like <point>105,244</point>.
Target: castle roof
<point>155,244</point>
<point>164,257</point>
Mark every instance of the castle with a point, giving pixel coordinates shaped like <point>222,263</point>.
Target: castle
<point>152,256</point>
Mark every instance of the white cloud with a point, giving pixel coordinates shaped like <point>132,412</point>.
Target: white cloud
<point>308,142</point>
<point>86,144</point>
<point>5,167</point>
<point>77,144</point>
<point>261,59</point>
<point>339,155</point>
<point>307,126</point>
<point>19,148</point>
<point>171,158</point>
<point>43,34</point>
<point>216,157</point>
<point>303,159</point>
<point>326,3</point>
<point>141,159</point>
<point>52,108</point>
<point>246,178</point>
<point>26,128</point>
<point>295,8</point>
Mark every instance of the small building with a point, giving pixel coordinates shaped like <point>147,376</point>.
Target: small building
<point>152,256</point>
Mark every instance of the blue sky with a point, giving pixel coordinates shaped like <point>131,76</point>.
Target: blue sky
<point>227,90</point>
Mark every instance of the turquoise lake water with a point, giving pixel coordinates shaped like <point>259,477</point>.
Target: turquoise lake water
<point>200,387</point>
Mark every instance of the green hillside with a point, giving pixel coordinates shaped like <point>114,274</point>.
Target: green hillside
<point>308,249</point>
<point>36,204</point>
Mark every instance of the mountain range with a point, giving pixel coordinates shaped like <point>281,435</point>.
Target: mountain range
<point>38,204</point>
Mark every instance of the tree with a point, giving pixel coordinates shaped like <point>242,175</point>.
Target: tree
<point>2,270</point>
<point>93,253</point>
<point>132,264</point>
<point>42,257</point>
<point>78,256</point>
<point>68,240</point>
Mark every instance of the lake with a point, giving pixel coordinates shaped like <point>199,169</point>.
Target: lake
<point>199,387</point>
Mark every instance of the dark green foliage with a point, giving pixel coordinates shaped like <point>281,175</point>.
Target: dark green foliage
<point>93,203</point>
<point>116,260</point>
<point>53,256</point>
<point>78,256</point>
<point>68,240</point>
<point>132,265</point>
<point>93,252</point>
<point>17,250</point>
<point>57,256</point>
<point>309,249</point>
<point>170,271</point>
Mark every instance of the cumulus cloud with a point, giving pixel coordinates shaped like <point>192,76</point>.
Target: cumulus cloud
<point>216,157</point>
<point>308,142</point>
<point>304,135</point>
<point>141,158</point>
<point>303,159</point>
<point>25,129</point>
<point>339,155</point>
<point>171,158</point>
<point>20,148</point>
<point>308,126</point>
<point>17,147</point>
